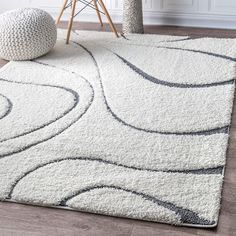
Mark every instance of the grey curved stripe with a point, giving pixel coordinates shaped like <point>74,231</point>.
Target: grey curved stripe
<point>233,59</point>
<point>216,130</point>
<point>60,131</point>
<point>75,97</point>
<point>163,41</point>
<point>214,170</point>
<point>123,35</point>
<point>187,216</point>
<point>9,106</point>
<point>173,41</point>
<point>170,84</point>
<point>177,40</point>
<point>190,50</point>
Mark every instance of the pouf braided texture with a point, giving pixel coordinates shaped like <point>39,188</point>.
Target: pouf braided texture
<point>26,34</point>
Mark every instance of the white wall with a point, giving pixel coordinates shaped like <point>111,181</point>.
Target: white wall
<point>203,13</point>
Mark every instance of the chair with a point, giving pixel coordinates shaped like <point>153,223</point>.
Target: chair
<point>94,4</point>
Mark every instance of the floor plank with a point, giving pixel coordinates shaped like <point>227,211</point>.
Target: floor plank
<point>23,220</point>
<point>56,222</point>
<point>2,62</point>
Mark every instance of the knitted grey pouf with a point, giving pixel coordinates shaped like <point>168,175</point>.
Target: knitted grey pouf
<point>132,16</point>
<point>26,34</point>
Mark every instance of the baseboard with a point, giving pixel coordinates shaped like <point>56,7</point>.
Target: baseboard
<point>192,20</point>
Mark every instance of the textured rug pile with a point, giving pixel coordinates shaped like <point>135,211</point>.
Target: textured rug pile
<point>134,127</point>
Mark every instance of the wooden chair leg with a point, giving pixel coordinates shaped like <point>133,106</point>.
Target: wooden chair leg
<point>108,17</point>
<point>98,13</point>
<point>71,20</point>
<point>61,12</point>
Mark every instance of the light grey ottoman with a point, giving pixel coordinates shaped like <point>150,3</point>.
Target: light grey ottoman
<point>26,34</point>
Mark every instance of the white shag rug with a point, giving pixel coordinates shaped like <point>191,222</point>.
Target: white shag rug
<point>134,127</point>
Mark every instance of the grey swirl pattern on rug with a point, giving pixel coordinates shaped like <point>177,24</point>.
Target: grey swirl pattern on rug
<point>133,127</point>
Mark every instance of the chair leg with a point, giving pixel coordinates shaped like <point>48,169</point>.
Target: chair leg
<point>98,13</point>
<point>71,21</point>
<point>108,17</point>
<point>61,12</point>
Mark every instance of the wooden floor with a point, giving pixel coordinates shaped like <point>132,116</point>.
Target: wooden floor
<point>22,220</point>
